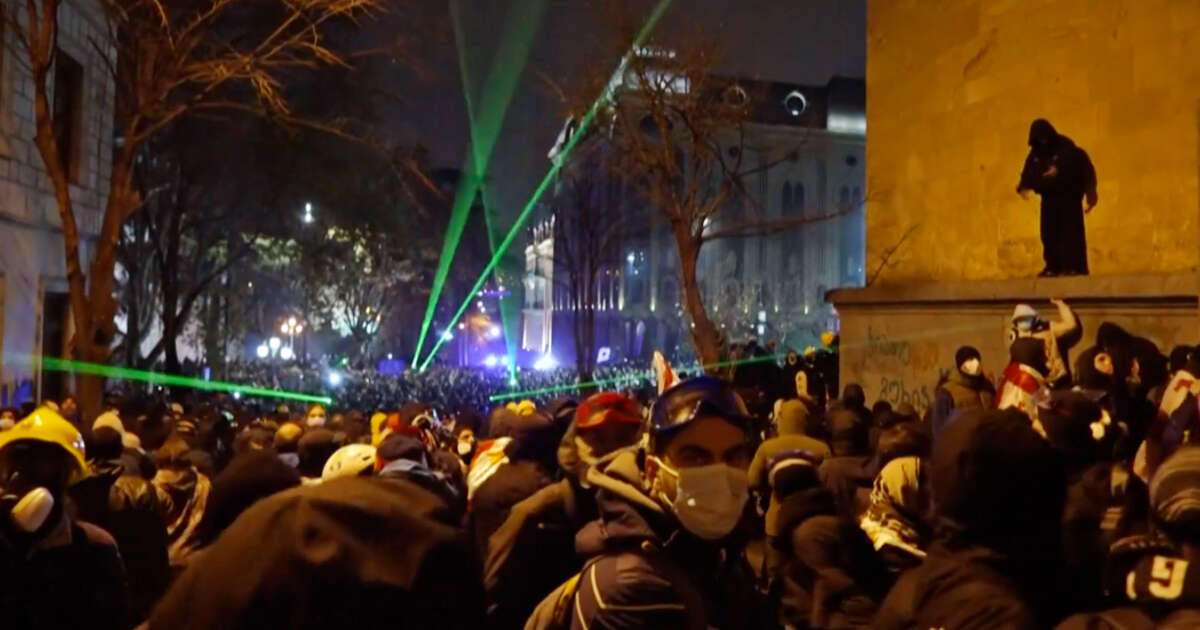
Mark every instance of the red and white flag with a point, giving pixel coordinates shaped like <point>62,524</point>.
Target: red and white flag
<point>662,372</point>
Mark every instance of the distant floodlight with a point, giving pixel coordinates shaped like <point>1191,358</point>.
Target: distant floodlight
<point>491,361</point>
<point>504,360</point>
<point>545,364</point>
<point>335,378</point>
<point>447,335</point>
<point>493,331</point>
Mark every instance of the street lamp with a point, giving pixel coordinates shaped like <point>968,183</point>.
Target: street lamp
<point>262,351</point>
<point>273,343</point>
<point>308,215</point>
<point>291,328</point>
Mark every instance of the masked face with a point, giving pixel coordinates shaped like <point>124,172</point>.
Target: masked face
<point>970,367</point>
<point>709,500</point>
<point>316,417</point>
<point>1025,324</point>
<point>33,476</point>
<point>701,477</point>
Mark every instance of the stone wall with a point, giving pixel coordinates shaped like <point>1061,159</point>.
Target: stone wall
<point>897,341</point>
<point>32,259</point>
<point>952,88</point>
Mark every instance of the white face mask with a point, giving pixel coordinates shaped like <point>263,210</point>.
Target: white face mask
<point>709,500</point>
<point>315,421</point>
<point>465,447</point>
<point>970,367</point>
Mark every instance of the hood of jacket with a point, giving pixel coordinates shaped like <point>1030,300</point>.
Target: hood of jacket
<point>793,417</point>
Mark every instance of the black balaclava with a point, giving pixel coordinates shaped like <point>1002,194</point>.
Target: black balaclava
<point>1086,374</point>
<point>1042,135</point>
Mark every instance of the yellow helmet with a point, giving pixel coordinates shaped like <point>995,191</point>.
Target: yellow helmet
<point>44,425</point>
<point>377,421</point>
<point>526,408</point>
<point>827,338</point>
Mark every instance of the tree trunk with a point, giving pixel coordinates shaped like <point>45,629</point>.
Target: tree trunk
<point>706,339</point>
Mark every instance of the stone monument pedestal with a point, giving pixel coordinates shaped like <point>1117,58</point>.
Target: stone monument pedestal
<point>898,339</point>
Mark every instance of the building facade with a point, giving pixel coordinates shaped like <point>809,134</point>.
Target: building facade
<point>33,284</point>
<point>771,287</point>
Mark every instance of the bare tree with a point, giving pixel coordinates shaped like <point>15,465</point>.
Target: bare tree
<point>589,232</point>
<point>683,137</point>
<point>169,60</point>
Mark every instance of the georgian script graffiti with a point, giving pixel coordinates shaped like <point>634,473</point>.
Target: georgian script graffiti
<point>896,392</point>
<point>880,345</point>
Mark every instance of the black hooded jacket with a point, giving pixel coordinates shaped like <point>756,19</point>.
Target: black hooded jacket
<point>998,489</point>
<point>356,552</point>
<point>649,574</point>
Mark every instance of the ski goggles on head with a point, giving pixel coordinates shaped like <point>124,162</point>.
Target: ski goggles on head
<point>691,399</point>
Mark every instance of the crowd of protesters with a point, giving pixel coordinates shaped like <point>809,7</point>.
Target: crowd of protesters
<point>1063,492</point>
<point>445,387</point>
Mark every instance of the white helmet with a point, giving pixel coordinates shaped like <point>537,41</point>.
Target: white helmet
<point>349,461</point>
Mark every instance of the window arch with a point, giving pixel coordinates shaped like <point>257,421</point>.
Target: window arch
<point>798,197</point>
<point>786,207</point>
<point>844,196</point>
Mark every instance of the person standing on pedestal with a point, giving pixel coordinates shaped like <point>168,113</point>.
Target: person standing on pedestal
<point>1063,175</point>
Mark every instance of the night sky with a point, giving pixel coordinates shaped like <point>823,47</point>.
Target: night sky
<point>802,41</point>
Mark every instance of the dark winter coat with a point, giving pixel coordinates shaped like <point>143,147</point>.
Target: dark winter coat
<point>509,485</point>
<point>999,490</point>
<point>75,580</point>
<point>649,574</point>
<point>1161,591</point>
<point>534,551</point>
<point>961,392</point>
<point>128,507</point>
<point>831,576</point>
<point>357,552</point>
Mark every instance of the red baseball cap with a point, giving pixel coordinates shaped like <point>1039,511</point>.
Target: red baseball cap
<point>606,407</point>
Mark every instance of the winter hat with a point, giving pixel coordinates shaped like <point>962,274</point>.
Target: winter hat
<point>287,437</point>
<point>105,444</point>
<point>1024,311</point>
<point>1175,493</point>
<point>314,450</point>
<point>1178,359</point>
<point>996,480</point>
<point>903,440</point>
<point>249,477</point>
<point>401,446</point>
<point>177,409</point>
<point>964,354</point>
<point>1029,351</point>
<point>110,420</point>
<point>794,469</point>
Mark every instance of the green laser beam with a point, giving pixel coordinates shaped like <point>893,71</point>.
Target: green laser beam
<point>534,393</point>
<point>159,378</point>
<point>508,307</point>
<point>523,218</point>
<point>498,90</point>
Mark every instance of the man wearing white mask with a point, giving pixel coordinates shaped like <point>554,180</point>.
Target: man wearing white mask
<point>1058,337</point>
<point>667,550</point>
<point>966,387</point>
